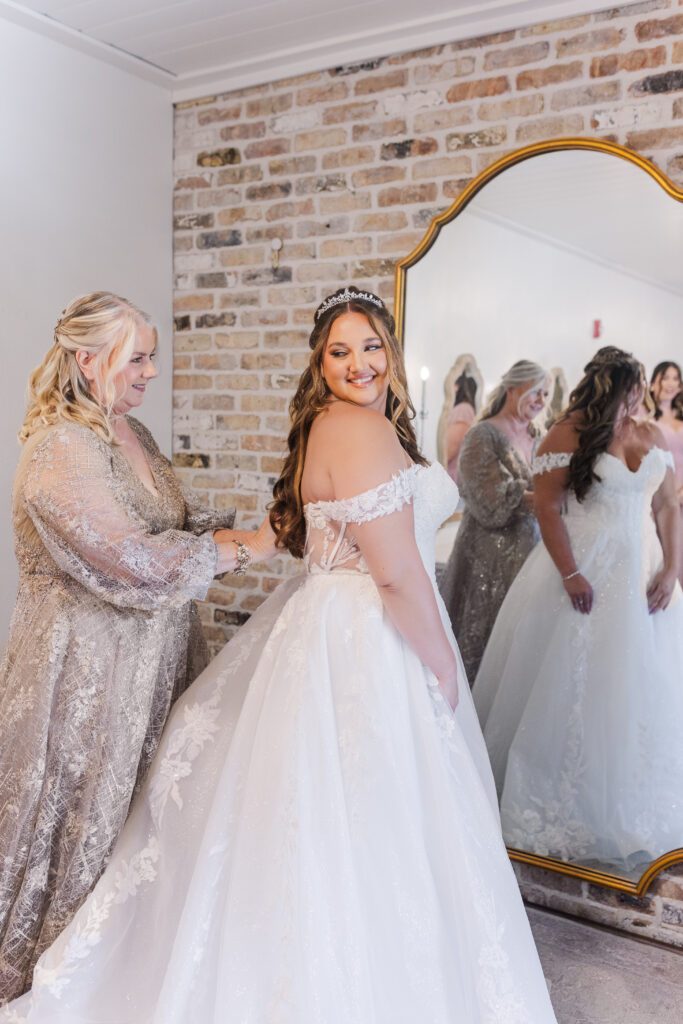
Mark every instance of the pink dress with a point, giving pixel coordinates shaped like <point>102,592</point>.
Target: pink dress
<point>674,439</point>
<point>460,413</point>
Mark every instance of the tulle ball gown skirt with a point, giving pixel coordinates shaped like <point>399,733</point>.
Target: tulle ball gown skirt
<point>582,713</point>
<point>317,843</point>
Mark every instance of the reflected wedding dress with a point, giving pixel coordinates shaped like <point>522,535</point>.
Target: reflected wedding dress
<point>317,841</point>
<point>582,713</point>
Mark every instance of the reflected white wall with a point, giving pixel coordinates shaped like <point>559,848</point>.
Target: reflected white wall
<point>503,296</point>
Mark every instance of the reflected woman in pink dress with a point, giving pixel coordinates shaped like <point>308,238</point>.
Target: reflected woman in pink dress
<point>460,420</point>
<point>667,394</point>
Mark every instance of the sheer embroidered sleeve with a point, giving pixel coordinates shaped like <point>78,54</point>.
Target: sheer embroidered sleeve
<point>199,518</point>
<point>92,535</point>
<point>489,480</point>
<point>550,460</point>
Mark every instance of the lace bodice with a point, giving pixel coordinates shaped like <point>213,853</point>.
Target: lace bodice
<point>620,501</point>
<point>330,543</point>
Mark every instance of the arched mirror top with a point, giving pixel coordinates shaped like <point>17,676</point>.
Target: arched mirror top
<point>510,160</point>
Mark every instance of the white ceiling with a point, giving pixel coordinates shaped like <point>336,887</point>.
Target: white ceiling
<point>203,46</point>
<point>605,209</point>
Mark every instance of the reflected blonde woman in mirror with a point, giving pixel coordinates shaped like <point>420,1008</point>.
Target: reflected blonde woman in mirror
<point>105,635</point>
<point>498,527</point>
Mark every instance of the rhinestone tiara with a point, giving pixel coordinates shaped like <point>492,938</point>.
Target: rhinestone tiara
<point>347,296</point>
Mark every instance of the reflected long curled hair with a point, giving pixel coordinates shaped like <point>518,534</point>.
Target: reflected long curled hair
<point>609,378</point>
<point>312,396</point>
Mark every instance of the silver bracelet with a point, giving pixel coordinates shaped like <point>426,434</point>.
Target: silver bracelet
<point>243,558</point>
<point>577,572</point>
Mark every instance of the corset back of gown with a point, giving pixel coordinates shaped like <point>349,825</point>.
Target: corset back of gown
<point>330,544</point>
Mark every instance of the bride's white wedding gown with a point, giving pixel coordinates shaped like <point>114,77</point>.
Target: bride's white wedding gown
<point>318,840</point>
<point>582,713</point>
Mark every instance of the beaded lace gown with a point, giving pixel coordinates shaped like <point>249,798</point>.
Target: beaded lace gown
<point>318,838</point>
<point>582,713</point>
<point>495,536</point>
<point>104,636</point>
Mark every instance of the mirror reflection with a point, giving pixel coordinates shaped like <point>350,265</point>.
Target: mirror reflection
<point>559,256</point>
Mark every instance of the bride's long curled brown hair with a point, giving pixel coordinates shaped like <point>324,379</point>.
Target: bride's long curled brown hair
<point>312,396</point>
<point>609,378</point>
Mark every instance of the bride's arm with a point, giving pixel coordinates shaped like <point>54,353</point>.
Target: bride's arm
<point>550,495</point>
<point>363,460</point>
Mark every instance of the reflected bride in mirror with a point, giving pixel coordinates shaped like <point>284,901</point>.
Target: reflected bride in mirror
<point>579,688</point>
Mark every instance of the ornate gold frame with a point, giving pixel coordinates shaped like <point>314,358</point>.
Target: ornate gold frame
<point>551,145</point>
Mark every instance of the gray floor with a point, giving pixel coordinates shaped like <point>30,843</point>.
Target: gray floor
<point>598,976</point>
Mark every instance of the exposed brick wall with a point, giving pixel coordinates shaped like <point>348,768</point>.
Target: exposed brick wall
<point>348,167</point>
<point>658,914</point>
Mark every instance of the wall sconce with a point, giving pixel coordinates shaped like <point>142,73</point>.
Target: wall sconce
<point>275,248</point>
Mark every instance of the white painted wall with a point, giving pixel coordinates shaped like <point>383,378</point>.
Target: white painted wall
<point>85,204</point>
<point>504,296</point>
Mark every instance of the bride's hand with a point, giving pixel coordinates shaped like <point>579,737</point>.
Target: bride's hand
<point>580,593</point>
<point>265,542</point>
<point>449,688</point>
<point>660,590</point>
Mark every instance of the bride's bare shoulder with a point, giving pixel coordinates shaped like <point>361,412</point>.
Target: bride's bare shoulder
<point>649,435</point>
<point>349,424</point>
<point>562,437</point>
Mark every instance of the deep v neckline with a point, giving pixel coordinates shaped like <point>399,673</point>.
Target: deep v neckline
<point>633,472</point>
<point>156,493</point>
<point>520,455</point>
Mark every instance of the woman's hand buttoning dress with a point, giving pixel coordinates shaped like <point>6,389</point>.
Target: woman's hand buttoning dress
<point>579,691</point>
<point>498,528</point>
<point>105,634</point>
<point>317,840</point>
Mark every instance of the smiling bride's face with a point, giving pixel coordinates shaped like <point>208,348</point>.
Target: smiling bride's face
<point>354,362</point>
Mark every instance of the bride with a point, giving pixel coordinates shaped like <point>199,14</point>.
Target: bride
<point>318,841</point>
<point>579,691</point>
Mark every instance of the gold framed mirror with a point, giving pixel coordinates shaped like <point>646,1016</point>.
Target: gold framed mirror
<point>465,297</point>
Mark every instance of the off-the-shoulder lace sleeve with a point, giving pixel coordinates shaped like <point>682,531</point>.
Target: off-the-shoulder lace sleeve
<point>668,458</point>
<point>99,541</point>
<point>550,460</point>
<point>382,500</point>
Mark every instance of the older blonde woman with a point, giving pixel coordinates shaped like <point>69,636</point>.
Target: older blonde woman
<point>104,635</point>
<point>498,528</point>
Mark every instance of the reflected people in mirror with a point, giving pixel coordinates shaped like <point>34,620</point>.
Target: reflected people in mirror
<point>667,397</point>
<point>579,688</point>
<point>460,419</point>
<point>498,528</point>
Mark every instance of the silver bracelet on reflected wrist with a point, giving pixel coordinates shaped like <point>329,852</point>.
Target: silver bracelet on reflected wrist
<point>577,572</point>
<point>243,558</point>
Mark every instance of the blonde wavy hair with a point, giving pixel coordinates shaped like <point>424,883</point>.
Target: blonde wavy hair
<point>312,396</point>
<point>524,371</point>
<point>104,325</point>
